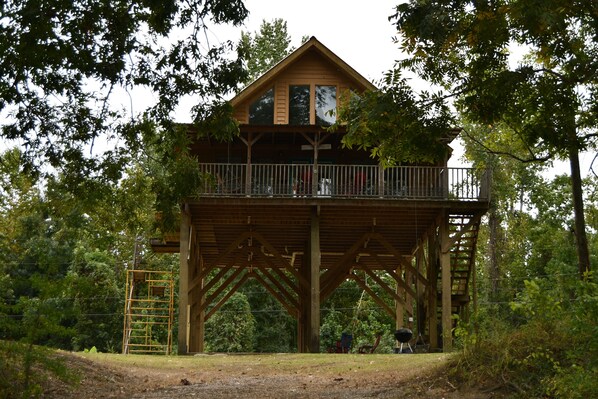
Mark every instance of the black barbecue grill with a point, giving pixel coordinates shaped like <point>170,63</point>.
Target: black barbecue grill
<point>404,335</point>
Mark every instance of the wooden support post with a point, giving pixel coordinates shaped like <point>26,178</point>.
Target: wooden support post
<point>183,338</point>
<point>420,261</point>
<point>201,320</point>
<point>433,292</point>
<point>445,265</point>
<point>303,305</point>
<point>249,174</point>
<point>399,306</point>
<point>313,259</point>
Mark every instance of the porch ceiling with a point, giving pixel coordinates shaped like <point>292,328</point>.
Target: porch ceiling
<point>285,226</point>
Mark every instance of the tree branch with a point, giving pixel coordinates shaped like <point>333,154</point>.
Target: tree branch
<point>550,72</point>
<point>592,165</point>
<point>506,153</point>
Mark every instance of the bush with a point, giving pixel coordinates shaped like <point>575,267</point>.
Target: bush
<point>23,368</point>
<point>554,352</point>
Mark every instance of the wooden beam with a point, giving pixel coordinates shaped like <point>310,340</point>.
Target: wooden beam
<point>280,287</point>
<point>221,288</point>
<point>183,338</point>
<point>292,311</point>
<point>420,259</point>
<point>313,320</point>
<point>231,247</point>
<point>406,265</point>
<point>280,273</point>
<point>372,294</point>
<point>386,288</point>
<point>332,278</point>
<point>432,291</point>
<point>390,270</point>
<point>199,344</point>
<point>225,298</point>
<point>302,280</point>
<point>215,279</point>
<point>445,265</point>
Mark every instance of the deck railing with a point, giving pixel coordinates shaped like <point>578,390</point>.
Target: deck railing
<point>344,181</point>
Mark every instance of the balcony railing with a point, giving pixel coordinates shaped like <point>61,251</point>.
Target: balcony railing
<point>343,181</point>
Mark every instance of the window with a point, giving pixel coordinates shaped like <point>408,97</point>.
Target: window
<point>299,105</point>
<point>261,111</point>
<point>325,105</point>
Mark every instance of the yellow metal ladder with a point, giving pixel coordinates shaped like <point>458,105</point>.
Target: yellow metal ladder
<point>148,312</point>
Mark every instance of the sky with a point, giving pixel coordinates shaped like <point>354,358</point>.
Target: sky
<point>358,32</point>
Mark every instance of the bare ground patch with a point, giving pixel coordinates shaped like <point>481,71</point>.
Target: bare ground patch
<point>260,376</point>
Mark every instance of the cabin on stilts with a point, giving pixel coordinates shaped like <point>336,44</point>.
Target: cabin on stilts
<point>287,205</point>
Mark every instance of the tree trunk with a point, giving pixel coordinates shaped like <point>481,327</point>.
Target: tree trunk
<point>493,265</point>
<point>581,241</point>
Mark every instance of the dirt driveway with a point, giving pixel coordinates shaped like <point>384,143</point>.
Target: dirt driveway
<point>260,376</point>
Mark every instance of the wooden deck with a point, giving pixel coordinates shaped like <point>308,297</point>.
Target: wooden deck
<point>296,226</point>
<point>343,181</point>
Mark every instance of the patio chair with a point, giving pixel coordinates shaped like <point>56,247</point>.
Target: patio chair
<point>345,342</point>
<point>370,348</point>
<point>343,345</point>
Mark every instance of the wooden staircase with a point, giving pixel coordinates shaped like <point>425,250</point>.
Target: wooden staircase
<point>464,231</point>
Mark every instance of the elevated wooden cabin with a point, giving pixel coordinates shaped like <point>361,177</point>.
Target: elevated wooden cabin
<point>287,205</point>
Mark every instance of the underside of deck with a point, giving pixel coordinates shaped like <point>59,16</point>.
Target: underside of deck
<point>302,249</point>
<point>285,225</point>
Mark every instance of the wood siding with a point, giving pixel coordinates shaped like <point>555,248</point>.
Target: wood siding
<point>311,69</point>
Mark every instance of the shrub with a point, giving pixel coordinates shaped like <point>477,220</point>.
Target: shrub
<point>23,368</point>
<point>554,352</point>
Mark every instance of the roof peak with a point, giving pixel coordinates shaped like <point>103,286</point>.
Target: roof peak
<point>311,43</point>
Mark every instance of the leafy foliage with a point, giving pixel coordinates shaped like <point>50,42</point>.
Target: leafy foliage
<point>552,351</point>
<point>265,48</point>
<point>63,257</point>
<point>20,370</point>
<point>274,327</point>
<point>232,328</point>
<point>547,98</point>
<point>65,65</point>
<point>395,125</point>
<point>93,283</point>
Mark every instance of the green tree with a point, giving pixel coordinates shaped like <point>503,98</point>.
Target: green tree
<point>96,295</point>
<point>274,327</point>
<point>68,251</point>
<point>547,97</point>
<point>65,63</point>
<point>512,182</point>
<point>265,48</point>
<point>395,124</point>
<point>232,328</point>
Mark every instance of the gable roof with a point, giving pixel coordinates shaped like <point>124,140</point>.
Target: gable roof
<point>310,45</point>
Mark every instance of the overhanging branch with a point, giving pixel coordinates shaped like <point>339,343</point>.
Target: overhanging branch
<point>534,157</point>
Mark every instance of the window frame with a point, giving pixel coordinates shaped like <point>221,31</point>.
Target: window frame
<point>312,97</point>
<point>272,122</point>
